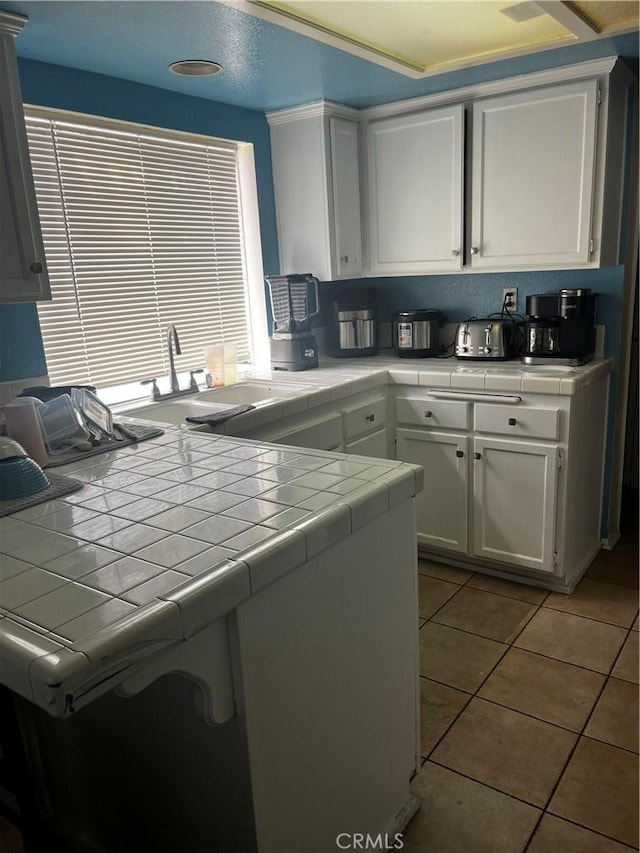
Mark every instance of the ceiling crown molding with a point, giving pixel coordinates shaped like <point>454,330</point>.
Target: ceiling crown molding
<point>315,108</point>
<point>11,24</point>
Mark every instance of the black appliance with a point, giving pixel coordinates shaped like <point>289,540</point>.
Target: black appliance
<point>416,333</point>
<point>354,326</point>
<point>560,327</point>
<point>294,306</point>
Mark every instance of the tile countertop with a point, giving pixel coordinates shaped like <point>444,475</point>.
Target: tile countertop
<point>500,376</point>
<point>337,379</point>
<point>168,535</point>
<point>164,538</point>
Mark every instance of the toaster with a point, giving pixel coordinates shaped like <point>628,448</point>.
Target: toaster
<point>485,339</point>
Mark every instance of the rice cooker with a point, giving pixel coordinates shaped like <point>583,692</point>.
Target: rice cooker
<point>416,333</point>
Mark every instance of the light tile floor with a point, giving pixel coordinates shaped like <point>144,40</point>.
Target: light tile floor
<point>529,712</point>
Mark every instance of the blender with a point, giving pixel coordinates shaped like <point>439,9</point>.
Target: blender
<point>294,306</point>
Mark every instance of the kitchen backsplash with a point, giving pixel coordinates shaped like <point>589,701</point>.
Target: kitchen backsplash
<point>462,296</point>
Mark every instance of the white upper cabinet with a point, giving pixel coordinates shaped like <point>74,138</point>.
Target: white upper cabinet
<point>23,272</point>
<point>533,169</point>
<point>542,177</point>
<point>315,157</point>
<point>345,178</point>
<point>414,192</point>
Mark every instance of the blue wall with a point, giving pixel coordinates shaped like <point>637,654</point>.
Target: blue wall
<point>21,351</point>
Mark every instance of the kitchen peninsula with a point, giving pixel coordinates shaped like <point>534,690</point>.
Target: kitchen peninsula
<point>228,629</point>
<point>237,609</point>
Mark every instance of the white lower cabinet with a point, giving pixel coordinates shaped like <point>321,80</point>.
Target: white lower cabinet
<point>374,445</point>
<point>442,506</point>
<point>512,481</point>
<point>323,434</point>
<point>514,486</point>
<point>485,497</point>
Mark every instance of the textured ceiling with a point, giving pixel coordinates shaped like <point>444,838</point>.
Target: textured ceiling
<point>422,37</point>
<point>430,34</point>
<point>266,66</point>
<point>610,13</point>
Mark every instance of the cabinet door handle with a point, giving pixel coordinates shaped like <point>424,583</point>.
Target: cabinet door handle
<point>512,422</point>
<point>460,454</point>
<point>371,418</point>
<point>477,455</point>
<point>474,250</point>
<point>428,413</point>
<point>455,253</point>
<point>344,259</point>
<point>36,267</point>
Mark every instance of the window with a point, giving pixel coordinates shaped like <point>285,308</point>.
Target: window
<point>142,228</point>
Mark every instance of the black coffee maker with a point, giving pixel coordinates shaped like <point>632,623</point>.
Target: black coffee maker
<point>560,328</point>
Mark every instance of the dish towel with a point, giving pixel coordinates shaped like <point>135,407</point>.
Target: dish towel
<point>220,417</point>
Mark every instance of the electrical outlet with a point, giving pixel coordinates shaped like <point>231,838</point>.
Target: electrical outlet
<point>510,299</point>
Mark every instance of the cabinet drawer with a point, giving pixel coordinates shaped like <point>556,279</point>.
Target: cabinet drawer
<point>364,418</point>
<point>448,414</point>
<point>516,421</point>
<point>322,435</point>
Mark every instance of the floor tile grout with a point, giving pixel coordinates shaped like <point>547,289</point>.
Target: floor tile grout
<point>579,735</point>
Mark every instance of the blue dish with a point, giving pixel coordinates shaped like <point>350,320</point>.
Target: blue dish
<point>21,477</point>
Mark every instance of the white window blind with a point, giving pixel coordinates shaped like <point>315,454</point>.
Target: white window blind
<point>140,230</point>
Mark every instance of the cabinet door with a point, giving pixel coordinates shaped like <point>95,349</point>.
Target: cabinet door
<point>347,246</point>
<point>533,172</point>
<point>415,165</point>
<point>322,435</point>
<point>514,502</point>
<point>442,506</point>
<point>374,445</point>
<point>299,178</point>
<point>23,274</point>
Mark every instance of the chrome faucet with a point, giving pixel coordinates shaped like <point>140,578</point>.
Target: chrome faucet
<point>172,334</point>
<point>173,341</point>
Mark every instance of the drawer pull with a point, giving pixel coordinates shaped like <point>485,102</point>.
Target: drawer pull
<point>371,418</point>
<point>460,454</point>
<point>428,413</point>
<point>512,421</point>
<point>477,455</point>
<point>474,396</point>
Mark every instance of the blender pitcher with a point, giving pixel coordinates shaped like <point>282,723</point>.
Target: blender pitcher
<point>294,306</point>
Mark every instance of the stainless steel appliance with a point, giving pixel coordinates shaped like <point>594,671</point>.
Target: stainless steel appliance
<point>357,331</point>
<point>416,333</point>
<point>294,306</point>
<point>486,339</point>
<point>560,328</point>
<point>354,327</point>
